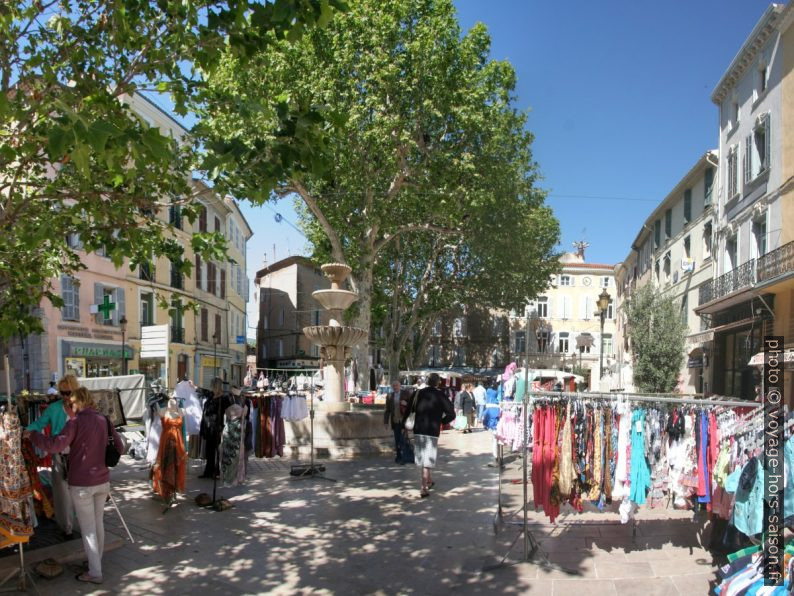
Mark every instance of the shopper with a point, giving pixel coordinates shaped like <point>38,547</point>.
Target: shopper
<point>396,406</point>
<point>432,410</point>
<point>480,400</point>
<point>55,416</point>
<point>86,436</point>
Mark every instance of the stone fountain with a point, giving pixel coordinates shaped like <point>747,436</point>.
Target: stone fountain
<point>335,339</point>
<point>339,429</point>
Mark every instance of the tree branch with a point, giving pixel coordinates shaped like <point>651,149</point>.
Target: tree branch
<point>425,227</point>
<point>311,202</point>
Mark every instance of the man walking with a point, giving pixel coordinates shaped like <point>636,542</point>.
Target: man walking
<point>393,414</point>
<point>432,409</point>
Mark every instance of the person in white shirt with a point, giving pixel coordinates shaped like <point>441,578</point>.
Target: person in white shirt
<point>479,400</point>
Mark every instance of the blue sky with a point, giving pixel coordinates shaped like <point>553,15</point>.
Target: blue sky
<point>619,99</point>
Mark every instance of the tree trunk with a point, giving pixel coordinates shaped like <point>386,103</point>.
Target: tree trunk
<point>363,320</point>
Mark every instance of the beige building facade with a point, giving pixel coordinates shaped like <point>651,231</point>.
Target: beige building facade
<point>86,337</point>
<point>564,325</point>
<point>674,251</point>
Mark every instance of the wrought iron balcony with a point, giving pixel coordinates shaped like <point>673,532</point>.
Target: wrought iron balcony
<point>776,263</point>
<point>736,279</point>
<point>766,268</point>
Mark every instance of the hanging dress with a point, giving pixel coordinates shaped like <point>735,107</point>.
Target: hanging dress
<point>640,471</point>
<point>168,473</point>
<point>231,442</point>
<point>16,512</point>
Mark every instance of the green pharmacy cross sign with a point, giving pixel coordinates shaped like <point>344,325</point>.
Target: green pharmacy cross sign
<point>106,307</point>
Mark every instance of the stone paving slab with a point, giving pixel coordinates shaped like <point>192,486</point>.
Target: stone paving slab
<point>370,533</point>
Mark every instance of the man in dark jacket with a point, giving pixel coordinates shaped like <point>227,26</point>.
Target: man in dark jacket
<point>432,409</point>
<point>393,414</point>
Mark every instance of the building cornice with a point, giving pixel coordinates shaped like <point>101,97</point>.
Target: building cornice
<point>767,25</point>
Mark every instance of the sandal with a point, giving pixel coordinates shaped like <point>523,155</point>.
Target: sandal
<point>85,577</point>
<point>424,494</point>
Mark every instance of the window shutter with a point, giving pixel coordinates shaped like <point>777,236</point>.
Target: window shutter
<point>67,296</point>
<point>217,332</point>
<point>223,281</point>
<point>746,162</point>
<point>99,293</point>
<point>198,272</point>
<point>121,309</point>
<point>203,219</point>
<point>767,138</point>
<point>75,299</point>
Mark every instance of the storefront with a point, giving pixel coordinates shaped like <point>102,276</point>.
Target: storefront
<point>92,358</point>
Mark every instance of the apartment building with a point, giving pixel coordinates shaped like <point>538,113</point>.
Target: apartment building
<point>750,295</point>
<point>565,323</point>
<point>286,306</point>
<point>475,338</point>
<point>237,236</point>
<point>674,251</point>
<point>98,331</point>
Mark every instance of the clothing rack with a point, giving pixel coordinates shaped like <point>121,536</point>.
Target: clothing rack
<point>634,397</point>
<point>312,471</point>
<point>531,546</point>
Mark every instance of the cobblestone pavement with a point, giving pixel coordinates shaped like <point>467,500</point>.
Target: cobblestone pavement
<point>370,533</point>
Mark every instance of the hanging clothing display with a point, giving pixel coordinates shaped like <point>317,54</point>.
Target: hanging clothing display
<point>650,454</point>
<point>232,445</point>
<point>16,509</point>
<point>170,468</point>
<point>190,404</point>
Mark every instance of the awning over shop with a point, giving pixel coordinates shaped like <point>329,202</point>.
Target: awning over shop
<point>788,359</point>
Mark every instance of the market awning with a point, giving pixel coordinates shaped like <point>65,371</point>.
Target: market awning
<point>788,359</point>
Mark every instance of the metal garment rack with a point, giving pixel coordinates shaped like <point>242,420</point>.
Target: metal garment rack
<point>21,573</point>
<point>531,545</point>
<point>313,471</point>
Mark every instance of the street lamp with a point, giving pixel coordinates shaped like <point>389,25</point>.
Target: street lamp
<point>215,352</point>
<point>603,303</point>
<point>123,327</point>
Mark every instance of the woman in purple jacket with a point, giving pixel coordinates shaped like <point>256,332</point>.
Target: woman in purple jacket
<point>86,436</point>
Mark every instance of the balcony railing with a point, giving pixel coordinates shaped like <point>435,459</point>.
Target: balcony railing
<point>766,268</point>
<point>736,279</point>
<point>776,263</point>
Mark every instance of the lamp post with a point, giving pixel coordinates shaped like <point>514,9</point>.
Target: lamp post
<point>123,327</point>
<point>215,339</point>
<point>603,303</point>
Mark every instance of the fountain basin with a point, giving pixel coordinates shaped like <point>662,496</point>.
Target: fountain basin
<point>326,335</point>
<point>335,299</point>
<point>336,272</point>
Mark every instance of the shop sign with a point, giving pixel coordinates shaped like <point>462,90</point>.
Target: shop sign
<point>90,350</point>
<point>695,362</point>
<point>296,363</point>
<point>697,339</point>
<point>210,362</point>
<point>241,339</point>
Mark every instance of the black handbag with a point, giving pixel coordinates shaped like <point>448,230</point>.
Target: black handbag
<point>112,455</point>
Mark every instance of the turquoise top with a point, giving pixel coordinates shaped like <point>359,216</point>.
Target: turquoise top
<point>54,415</point>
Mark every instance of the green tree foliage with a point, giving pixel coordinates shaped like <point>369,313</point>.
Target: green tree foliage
<point>657,331</point>
<point>427,148</point>
<point>75,161</point>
